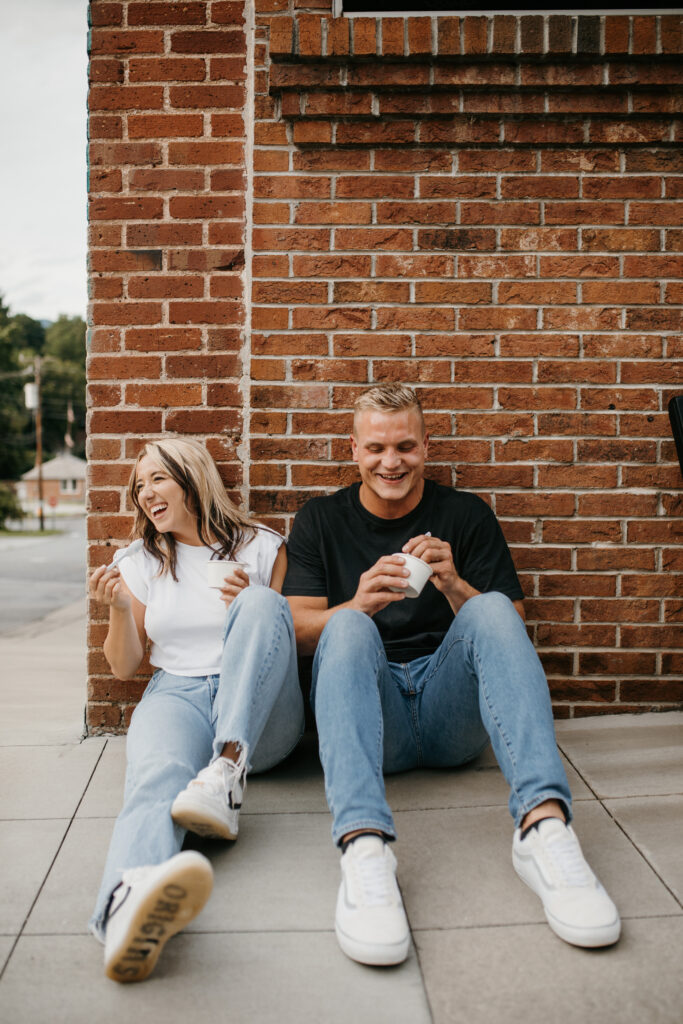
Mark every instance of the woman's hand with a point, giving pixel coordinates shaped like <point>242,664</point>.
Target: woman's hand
<point>106,587</point>
<point>234,583</point>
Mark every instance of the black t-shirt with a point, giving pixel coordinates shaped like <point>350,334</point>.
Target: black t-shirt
<point>334,539</point>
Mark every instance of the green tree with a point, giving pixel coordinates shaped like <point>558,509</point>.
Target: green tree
<point>61,347</point>
<point>15,422</point>
<point>64,383</point>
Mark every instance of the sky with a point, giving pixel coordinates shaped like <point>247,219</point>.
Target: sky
<point>43,96</point>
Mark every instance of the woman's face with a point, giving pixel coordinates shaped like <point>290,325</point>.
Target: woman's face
<point>163,501</point>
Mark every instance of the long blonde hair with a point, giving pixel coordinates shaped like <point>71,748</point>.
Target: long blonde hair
<point>220,524</point>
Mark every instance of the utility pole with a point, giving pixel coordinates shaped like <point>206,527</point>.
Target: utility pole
<point>33,401</point>
<point>39,444</point>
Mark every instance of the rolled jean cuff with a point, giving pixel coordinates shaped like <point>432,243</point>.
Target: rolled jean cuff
<point>386,826</point>
<point>550,794</point>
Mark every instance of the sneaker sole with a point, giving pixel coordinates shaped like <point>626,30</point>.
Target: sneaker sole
<point>201,820</point>
<point>592,938</point>
<point>373,954</point>
<point>589,938</point>
<point>167,909</point>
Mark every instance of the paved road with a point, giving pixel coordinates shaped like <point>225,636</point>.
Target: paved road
<point>40,574</point>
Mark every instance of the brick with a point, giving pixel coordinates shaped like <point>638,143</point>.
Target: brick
<point>166,69</point>
<point>373,238</point>
<point>466,73</point>
<point>504,34</point>
<point>393,32</point>
<point>103,69</point>
<point>103,127</point>
<point>125,208</point>
<point>205,312</point>
<point>202,153</point>
<point>460,186</point>
<point>162,339</point>
<point>631,131</point>
<point>448,36</point>
<point>413,266</point>
<point>166,181</point>
<point>103,41</point>
<point>419,36</point>
<point>475,35</point>
<point>364,32</point>
<point>539,186</point>
<point>165,126</point>
<point>560,33</point>
<point>166,13</point>
<point>153,235</point>
<point>538,239</point>
<point>333,213</point>
<point>561,74</point>
<point>219,41</point>
<point>531,30</point>
<point>370,291</point>
<point>125,97</point>
<point>626,240</point>
<point>644,35</point>
<point>456,239</point>
<point>124,153</point>
<point>671,32</point>
<point>617,30</point>
<point>206,207</point>
<point>334,160</point>
<point>338,37</point>
<point>497,213</point>
<point>203,97</point>
<point>542,398</point>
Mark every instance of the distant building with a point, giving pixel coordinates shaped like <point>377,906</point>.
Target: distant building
<point>63,481</point>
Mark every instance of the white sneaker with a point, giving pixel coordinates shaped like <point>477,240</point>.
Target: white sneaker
<point>210,805</point>
<point>550,861</point>
<point>149,906</point>
<point>371,924</point>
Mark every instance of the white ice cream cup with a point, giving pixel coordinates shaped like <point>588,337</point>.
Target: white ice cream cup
<point>420,571</point>
<point>219,568</point>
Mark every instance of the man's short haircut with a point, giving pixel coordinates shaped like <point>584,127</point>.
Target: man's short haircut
<point>388,398</point>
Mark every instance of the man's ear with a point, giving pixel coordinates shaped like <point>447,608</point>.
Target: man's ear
<point>354,447</point>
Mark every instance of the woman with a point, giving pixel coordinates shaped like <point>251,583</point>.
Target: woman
<point>224,698</point>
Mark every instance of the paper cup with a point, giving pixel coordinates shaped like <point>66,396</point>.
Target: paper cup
<point>419,574</point>
<point>218,569</point>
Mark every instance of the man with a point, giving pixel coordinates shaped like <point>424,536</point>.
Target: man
<point>400,683</point>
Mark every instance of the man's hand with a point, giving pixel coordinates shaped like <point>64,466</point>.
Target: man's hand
<point>374,591</point>
<point>440,557</point>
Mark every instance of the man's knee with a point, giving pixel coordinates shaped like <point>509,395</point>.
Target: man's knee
<point>492,612</point>
<point>350,629</point>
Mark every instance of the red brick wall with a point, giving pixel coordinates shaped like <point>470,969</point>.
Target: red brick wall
<point>167,237</point>
<point>486,207</point>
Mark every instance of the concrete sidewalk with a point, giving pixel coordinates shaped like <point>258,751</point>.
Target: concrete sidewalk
<point>264,950</point>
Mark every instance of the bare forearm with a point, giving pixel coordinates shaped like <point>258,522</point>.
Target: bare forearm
<point>309,625</point>
<point>122,648</point>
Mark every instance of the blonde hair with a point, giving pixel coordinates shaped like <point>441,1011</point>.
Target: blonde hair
<point>388,398</point>
<point>219,522</point>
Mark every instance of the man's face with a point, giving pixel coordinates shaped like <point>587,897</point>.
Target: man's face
<point>390,449</point>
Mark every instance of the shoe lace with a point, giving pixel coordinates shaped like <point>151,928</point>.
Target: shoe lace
<point>568,861</point>
<point>222,777</point>
<point>375,881</point>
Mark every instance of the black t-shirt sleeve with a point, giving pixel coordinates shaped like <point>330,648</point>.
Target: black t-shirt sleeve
<point>484,560</point>
<point>306,576</point>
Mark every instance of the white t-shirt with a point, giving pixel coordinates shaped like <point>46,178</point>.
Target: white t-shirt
<point>184,621</point>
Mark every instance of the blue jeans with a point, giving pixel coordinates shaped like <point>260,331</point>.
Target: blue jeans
<point>182,723</point>
<point>485,682</point>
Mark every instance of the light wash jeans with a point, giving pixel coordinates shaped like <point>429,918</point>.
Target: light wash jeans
<point>182,723</point>
<point>485,682</point>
